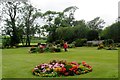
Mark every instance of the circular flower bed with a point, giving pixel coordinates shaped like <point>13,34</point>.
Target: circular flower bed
<point>61,68</point>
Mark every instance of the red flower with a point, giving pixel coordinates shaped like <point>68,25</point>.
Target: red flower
<point>75,67</point>
<point>63,70</point>
<point>83,62</point>
<point>74,63</point>
<point>71,69</point>
<point>74,71</point>
<point>89,67</point>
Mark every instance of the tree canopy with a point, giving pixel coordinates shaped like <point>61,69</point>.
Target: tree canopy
<point>21,24</point>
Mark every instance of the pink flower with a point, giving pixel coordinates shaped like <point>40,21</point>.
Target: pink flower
<point>56,65</point>
<point>62,65</point>
<point>50,66</point>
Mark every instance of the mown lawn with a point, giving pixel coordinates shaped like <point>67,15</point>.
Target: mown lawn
<point>18,63</point>
<point>0,57</point>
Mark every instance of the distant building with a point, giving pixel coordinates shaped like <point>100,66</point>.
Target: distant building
<point>95,42</point>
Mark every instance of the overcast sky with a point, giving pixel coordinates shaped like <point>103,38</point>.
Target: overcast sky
<point>88,9</point>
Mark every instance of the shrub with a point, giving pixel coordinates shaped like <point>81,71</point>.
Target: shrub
<point>58,45</point>
<point>6,41</point>
<point>57,49</point>
<point>47,49</point>
<point>80,42</point>
<point>108,42</point>
<point>33,50</point>
<point>111,48</point>
<point>71,45</point>
<point>100,46</point>
<point>118,45</point>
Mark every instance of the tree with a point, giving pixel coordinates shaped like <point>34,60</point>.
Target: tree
<point>65,33</point>
<point>96,24</point>
<point>71,34</point>
<point>10,10</point>
<point>70,17</point>
<point>92,35</point>
<point>112,32</point>
<point>58,19</point>
<point>51,17</point>
<point>30,14</point>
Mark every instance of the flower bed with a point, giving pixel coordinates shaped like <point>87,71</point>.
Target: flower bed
<point>61,68</point>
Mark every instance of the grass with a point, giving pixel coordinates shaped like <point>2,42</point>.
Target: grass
<point>0,64</point>
<point>38,41</point>
<point>18,63</point>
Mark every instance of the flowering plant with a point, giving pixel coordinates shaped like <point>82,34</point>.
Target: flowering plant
<point>61,68</point>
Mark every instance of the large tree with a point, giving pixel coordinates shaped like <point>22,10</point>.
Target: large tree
<point>112,32</point>
<point>71,34</point>
<point>10,10</point>
<point>58,19</point>
<point>49,17</point>
<point>30,13</point>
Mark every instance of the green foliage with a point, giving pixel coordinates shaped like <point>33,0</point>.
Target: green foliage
<point>112,32</point>
<point>57,49</point>
<point>118,44</point>
<point>64,33</point>
<point>80,31</point>
<point>59,25</point>
<point>110,45</point>
<point>92,35</point>
<point>100,46</point>
<point>20,25</point>
<point>96,24</point>
<point>10,27</point>
<point>33,50</point>
<point>72,45</point>
<point>108,42</point>
<point>68,67</point>
<point>71,33</point>
<point>6,41</point>
<point>80,42</point>
<point>49,47</point>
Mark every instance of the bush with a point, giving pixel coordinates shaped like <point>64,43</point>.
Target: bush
<point>108,42</point>
<point>47,49</point>
<point>53,48</point>
<point>100,46</point>
<point>111,48</point>
<point>58,45</point>
<point>118,45</point>
<point>71,45</point>
<point>80,42</point>
<point>33,50</point>
<point>6,41</point>
<point>57,49</point>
